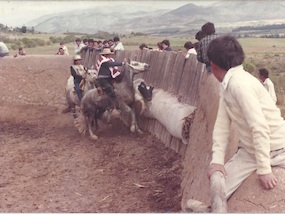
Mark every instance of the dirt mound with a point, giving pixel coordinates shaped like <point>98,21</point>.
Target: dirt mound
<point>48,167</point>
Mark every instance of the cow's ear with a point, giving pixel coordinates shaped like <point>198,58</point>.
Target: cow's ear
<point>151,88</point>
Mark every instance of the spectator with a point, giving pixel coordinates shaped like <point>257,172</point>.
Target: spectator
<point>209,30</point>
<point>64,48</point>
<point>78,46</point>
<point>105,44</point>
<point>21,52</point>
<point>245,103</point>
<point>117,44</point>
<point>111,43</point>
<point>60,52</point>
<point>158,47</point>
<point>85,42</point>
<point>267,83</point>
<point>200,35</point>
<point>143,46</point>
<point>4,51</point>
<point>190,49</point>
<point>90,46</point>
<point>166,45</point>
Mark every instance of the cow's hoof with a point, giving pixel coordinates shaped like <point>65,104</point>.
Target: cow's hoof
<point>94,137</point>
<point>133,128</point>
<point>195,206</point>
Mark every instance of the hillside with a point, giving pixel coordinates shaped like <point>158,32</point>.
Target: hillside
<point>225,14</point>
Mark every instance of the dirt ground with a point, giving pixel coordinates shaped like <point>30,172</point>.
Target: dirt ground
<point>47,166</point>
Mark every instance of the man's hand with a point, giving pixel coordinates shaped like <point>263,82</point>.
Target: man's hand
<point>267,181</point>
<point>216,167</point>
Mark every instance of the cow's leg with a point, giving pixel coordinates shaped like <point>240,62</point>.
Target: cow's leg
<point>134,124</point>
<point>90,119</point>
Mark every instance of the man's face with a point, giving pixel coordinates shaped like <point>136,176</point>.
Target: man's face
<point>217,72</point>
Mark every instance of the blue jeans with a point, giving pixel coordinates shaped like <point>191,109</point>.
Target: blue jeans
<point>77,89</point>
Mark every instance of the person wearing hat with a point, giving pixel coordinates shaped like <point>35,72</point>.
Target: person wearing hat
<point>78,72</point>
<point>108,71</point>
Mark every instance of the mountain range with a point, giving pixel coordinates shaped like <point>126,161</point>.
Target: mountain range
<point>183,20</point>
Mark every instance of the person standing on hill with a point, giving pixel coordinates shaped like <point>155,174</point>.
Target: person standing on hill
<point>209,35</point>
<point>4,51</point>
<point>245,102</point>
<point>267,83</point>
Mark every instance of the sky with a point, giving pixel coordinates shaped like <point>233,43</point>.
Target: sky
<point>18,13</point>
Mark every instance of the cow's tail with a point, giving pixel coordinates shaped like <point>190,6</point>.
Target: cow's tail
<point>81,124</point>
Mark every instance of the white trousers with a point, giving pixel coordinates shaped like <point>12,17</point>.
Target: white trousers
<point>243,164</point>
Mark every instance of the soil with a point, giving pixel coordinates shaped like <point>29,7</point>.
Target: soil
<point>47,166</point>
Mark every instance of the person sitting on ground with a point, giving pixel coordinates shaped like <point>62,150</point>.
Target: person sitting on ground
<point>21,52</point>
<point>190,49</point>
<point>78,72</point>
<point>245,102</point>
<point>64,48</point>
<point>166,45</point>
<point>108,71</point>
<point>4,51</point>
<point>60,52</point>
<point>267,83</point>
<point>209,30</point>
<point>118,45</point>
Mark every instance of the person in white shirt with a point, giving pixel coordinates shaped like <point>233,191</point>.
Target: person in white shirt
<point>4,51</point>
<point>245,102</point>
<point>64,48</point>
<point>78,46</point>
<point>267,83</point>
<point>117,44</point>
<point>190,48</point>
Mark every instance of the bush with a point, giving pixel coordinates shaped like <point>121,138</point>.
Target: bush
<point>249,67</point>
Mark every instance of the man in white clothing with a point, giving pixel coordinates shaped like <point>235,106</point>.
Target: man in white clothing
<point>245,102</point>
<point>117,44</point>
<point>78,46</point>
<point>267,83</point>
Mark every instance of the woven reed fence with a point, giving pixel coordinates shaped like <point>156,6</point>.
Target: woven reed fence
<point>168,71</point>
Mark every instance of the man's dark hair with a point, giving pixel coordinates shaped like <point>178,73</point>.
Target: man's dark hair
<point>226,52</point>
<point>142,46</point>
<point>78,40</point>
<point>116,39</point>
<point>85,40</point>
<point>208,28</point>
<point>200,35</point>
<point>166,42</point>
<point>264,72</point>
<point>188,45</point>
